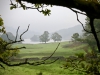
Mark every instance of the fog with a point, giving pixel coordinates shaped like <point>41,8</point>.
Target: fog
<point>60,18</point>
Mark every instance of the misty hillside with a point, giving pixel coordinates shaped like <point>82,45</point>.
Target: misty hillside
<point>10,36</point>
<point>67,33</point>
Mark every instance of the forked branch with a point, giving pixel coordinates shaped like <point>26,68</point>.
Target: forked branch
<point>15,41</point>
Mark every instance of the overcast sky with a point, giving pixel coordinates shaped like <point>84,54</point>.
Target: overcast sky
<point>60,18</point>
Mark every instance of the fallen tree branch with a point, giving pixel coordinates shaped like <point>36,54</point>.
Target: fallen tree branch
<point>33,63</point>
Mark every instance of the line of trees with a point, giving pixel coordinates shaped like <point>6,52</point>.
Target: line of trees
<point>45,37</point>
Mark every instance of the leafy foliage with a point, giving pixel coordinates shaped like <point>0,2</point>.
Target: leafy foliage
<point>89,65</point>
<point>88,37</point>
<point>44,37</point>
<point>2,28</point>
<point>75,37</point>
<point>56,37</point>
<point>40,7</point>
<point>6,54</point>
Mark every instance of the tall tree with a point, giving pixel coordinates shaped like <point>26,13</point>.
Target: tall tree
<point>89,38</point>
<point>56,37</point>
<point>44,37</point>
<point>75,37</point>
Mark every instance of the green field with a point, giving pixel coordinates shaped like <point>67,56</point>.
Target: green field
<point>43,50</point>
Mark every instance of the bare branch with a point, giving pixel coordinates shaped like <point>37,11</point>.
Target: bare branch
<point>12,42</point>
<point>52,61</point>
<point>11,2</point>
<point>16,48</point>
<point>33,63</point>
<point>82,24</point>
<point>52,53</point>
<point>16,34</point>
<point>8,37</point>
<point>24,32</point>
<point>77,11</point>
<point>79,20</point>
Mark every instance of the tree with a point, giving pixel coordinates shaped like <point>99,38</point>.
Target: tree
<point>35,38</point>
<point>75,37</point>
<point>44,37</point>
<point>56,37</point>
<point>88,37</point>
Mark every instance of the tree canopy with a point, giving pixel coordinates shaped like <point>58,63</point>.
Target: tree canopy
<point>90,7</point>
<point>56,37</point>
<point>88,37</point>
<point>75,37</point>
<point>44,37</point>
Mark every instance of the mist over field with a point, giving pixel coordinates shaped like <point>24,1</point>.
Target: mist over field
<point>28,41</point>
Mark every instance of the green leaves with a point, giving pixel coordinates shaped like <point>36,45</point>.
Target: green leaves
<point>88,65</point>
<point>56,37</point>
<point>37,5</point>
<point>82,65</point>
<point>44,37</point>
<point>13,6</point>
<point>75,37</point>
<point>40,7</point>
<point>1,21</point>
<point>2,28</point>
<point>46,12</point>
<point>80,55</point>
<point>5,54</point>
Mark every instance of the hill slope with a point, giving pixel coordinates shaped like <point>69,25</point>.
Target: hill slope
<point>67,33</point>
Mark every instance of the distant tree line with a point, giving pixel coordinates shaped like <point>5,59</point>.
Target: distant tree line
<point>42,38</point>
<point>45,37</point>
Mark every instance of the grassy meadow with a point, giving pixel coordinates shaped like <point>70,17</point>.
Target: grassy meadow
<point>43,50</point>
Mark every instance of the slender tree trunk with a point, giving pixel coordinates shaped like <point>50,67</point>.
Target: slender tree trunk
<point>94,33</point>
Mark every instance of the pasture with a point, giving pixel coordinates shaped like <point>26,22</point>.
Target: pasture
<point>43,50</point>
